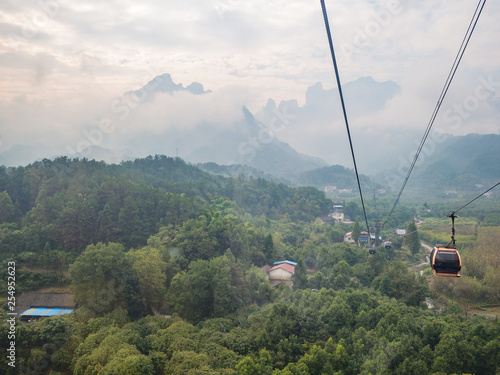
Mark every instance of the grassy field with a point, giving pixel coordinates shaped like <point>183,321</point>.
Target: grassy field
<point>488,312</point>
<point>477,289</point>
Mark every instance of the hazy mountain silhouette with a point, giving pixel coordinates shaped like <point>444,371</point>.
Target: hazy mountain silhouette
<point>261,141</point>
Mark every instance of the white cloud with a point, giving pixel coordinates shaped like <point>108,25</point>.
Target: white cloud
<point>184,111</point>
<point>67,61</point>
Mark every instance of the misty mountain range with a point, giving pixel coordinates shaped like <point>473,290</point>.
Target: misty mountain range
<point>262,141</point>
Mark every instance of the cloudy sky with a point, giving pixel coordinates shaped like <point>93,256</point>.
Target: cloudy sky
<point>64,64</point>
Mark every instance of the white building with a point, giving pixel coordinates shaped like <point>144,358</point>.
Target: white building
<point>348,238</point>
<point>337,216</point>
<point>281,273</point>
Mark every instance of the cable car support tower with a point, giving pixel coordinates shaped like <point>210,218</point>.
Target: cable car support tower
<point>377,220</point>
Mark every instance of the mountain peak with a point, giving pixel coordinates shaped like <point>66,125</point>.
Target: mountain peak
<point>248,116</point>
<point>197,88</point>
<point>165,83</point>
<point>270,105</point>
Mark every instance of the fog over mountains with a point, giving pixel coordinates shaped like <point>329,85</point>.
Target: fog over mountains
<point>284,139</point>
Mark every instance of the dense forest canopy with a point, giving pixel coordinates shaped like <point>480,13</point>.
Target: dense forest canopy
<point>69,204</point>
<point>164,261</point>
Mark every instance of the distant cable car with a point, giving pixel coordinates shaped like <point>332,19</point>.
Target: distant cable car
<point>372,250</point>
<point>445,261</point>
<point>387,245</point>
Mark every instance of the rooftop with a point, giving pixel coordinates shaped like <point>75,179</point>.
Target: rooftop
<point>287,267</point>
<point>285,261</point>
<point>45,311</point>
<point>29,300</point>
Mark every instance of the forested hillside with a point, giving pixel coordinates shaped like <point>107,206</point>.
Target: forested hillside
<point>337,175</point>
<point>164,261</point>
<point>69,204</point>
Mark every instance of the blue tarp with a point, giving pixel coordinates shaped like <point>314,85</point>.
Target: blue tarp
<point>285,261</point>
<point>46,311</point>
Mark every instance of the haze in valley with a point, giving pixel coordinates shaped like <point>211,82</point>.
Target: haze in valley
<point>238,82</point>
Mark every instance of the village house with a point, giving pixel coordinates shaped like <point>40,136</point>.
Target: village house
<point>348,238</point>
<point>344,191</point>
<point>364,238</point>
<point>337,216</point>
<point>281,273</point>
<point>35,305</point>
<point>330,189</point>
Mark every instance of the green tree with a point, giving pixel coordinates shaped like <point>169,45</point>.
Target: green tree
<point>106,224</point>
<point>129,363</point>
<point>249,366</point>
<point>202,295</point>
<point>454,354</point>
<point>150,268</point>
<point>337,235</point>
<point>99,276</point>
<point>194,240</point>
<point>225,299</point>
<point>269,247</point>
<point>256,288</point>
<point>188,362</point>
<point>356,232</point>
<point>7,209</point>
<point>398,282</point>
<point>77,225</point>
<point>412,239</point>
<point>299,277</point>
<point>179,297</point>
<point>353,210</point>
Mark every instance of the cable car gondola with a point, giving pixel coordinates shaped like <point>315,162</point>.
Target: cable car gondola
<point>445,260</point>
<point>372,250</point>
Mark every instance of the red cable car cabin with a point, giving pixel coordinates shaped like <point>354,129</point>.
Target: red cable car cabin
<point>445,261</point>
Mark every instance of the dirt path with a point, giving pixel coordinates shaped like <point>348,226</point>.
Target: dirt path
<point>425,246</point>
<point>419,267</point>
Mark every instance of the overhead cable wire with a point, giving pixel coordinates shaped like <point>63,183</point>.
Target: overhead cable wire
<point>458,209</point>
<point>444,91</point>
<point>427,225</point>
<point>325,17</point>
<point>480,195</point>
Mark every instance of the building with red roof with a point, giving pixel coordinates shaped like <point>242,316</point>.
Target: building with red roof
<point>281,273</point>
